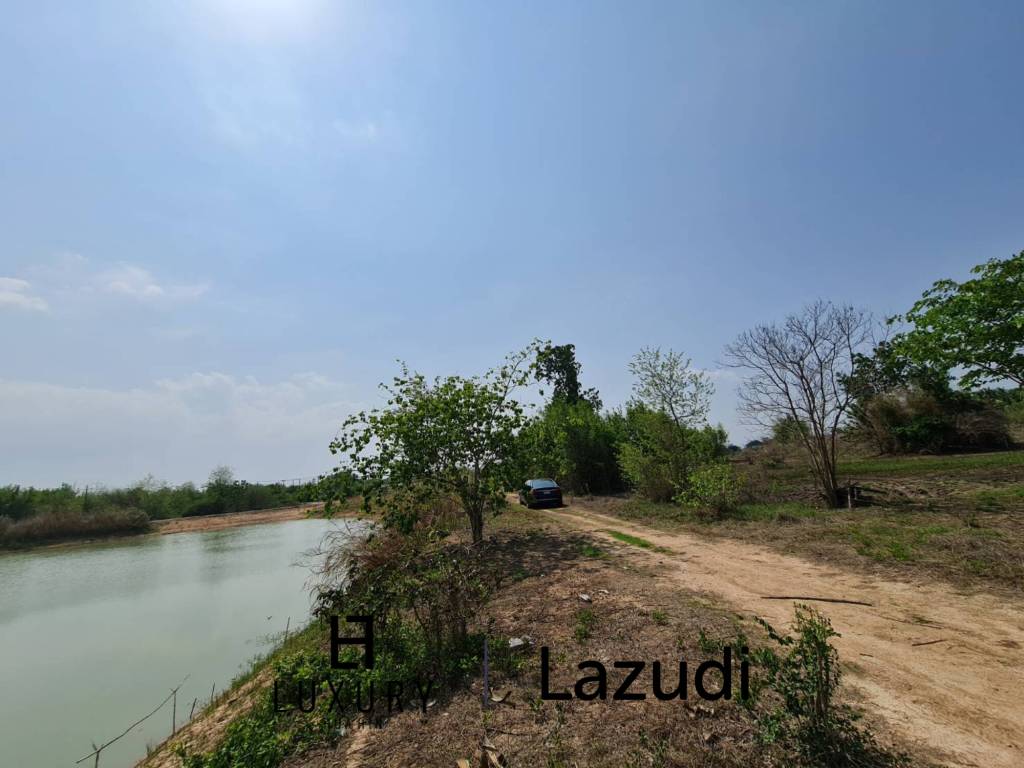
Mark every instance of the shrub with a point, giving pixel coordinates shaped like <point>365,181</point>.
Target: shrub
<point>805,676</point>
<point>788,430</point>
<point>67,525</point>
<point>576,444</point>
<point>910,420</point>
<point>713,490</point>
<point>657,455</point>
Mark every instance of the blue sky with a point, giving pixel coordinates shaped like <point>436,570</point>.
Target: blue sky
<point>221,221</point>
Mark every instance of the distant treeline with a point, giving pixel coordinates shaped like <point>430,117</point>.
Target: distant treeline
<point>35,514</point>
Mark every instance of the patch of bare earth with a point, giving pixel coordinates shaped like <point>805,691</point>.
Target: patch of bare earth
<point>944,668</point>
<point>636,610</point>
<point>235,519</point>
<point>206,730</point>
<point>974,550</point>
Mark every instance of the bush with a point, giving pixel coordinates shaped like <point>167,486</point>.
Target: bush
<point>657,456</point>
<point>713,490</point>
<point>910,420</point>
<point>805,676</point>
<point>55,526</point>
<point>575,444</point>
<point>788,431</point>
<point>92,510</point>
<point>424,596</point>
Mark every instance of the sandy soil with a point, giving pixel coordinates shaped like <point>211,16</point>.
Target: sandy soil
<point>946,669</point>
<point>207,729</point>
<point>234,519</point>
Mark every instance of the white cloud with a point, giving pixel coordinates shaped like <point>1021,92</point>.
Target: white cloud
<point>139,283</point>
<point>177,429</point>
<point>68,275</point>
<point>16,294</point>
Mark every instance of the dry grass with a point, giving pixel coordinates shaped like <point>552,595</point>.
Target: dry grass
<point>959,518</point>
<point>632,615</point>
<point>70,525</point>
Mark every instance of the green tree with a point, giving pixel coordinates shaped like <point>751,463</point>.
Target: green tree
<point>453,435</point>
<point>658,456</point>
<point>977,325</point>
<point>575,444</point>
<point>666,383</point>
<point>666,432</point>
<point>557,365</point>
<point>787,430</point>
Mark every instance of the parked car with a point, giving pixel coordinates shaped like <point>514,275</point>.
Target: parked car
<point>540,492</point>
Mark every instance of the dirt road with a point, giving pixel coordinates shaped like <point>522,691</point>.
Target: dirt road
<point>945,669</point>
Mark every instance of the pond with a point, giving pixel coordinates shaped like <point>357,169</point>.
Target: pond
<point>93,637</point>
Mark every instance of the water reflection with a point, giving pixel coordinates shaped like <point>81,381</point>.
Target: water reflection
<point>93,636</point>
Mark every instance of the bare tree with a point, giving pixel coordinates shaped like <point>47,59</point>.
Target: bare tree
<point>797,371</point>
<point>665,382</point>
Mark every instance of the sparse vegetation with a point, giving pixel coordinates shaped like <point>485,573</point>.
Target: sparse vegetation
<point>804,674</point>
<point>585,620</point>
<point>34,515</point>
<point>628,538</point>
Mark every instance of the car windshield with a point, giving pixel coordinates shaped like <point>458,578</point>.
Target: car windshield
<point>543,484</point>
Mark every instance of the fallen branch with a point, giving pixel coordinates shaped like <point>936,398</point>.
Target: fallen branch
<point>929,642</point>
<point>817,599</point>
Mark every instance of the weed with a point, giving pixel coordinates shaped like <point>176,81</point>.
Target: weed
<point>707,644</point>
<point>585,620</point>
<point>650,753</point>
<point>660,618</point>
<point>589,550</point>
<point>805,675</point>
<point>627,538</point>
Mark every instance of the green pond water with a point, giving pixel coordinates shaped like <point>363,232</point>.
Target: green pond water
<point>93,637</point>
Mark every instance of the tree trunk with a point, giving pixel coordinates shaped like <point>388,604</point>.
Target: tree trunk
<point>476,523</point>
<point>830,489</point>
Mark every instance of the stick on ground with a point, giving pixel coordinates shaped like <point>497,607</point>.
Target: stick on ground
<point>817,599</point>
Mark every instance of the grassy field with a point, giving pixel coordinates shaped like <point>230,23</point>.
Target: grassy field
<point>957,517</point>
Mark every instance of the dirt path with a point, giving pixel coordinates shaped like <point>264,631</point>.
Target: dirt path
<point>945,669</point>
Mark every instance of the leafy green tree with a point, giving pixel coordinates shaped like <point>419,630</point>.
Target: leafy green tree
<point>557,365</point>
<point>576,445</point>
<point>977,325</point>
<point>658,456</point>
<point>787,430</point>
<point>452,435</point>
<point>666,432</point>
<point>570,439</point>
<point>666,383</point>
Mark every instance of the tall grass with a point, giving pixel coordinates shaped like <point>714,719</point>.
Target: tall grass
<point>70,525</point>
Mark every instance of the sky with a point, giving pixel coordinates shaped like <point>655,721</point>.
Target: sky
<point>222,222</point>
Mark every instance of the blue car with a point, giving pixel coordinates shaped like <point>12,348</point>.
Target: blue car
<point>539,493</point>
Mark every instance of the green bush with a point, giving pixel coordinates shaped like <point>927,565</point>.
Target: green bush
<point>657,456</point>
<point>575,444</point>
<point>804,674</point>
<point>713,490</point>
<point>423,595</point>
<point>788,431</point>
